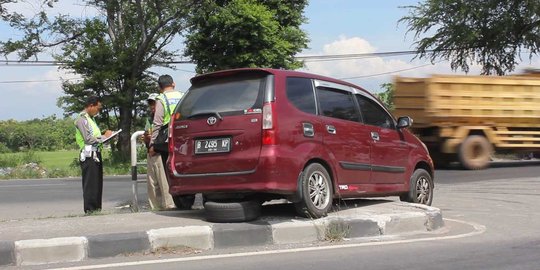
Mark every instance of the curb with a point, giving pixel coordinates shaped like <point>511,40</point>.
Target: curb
<point>217,236</point>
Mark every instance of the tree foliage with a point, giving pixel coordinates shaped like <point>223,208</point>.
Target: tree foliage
<point>492,33</point>
<point>112,51</point>
<point>387,95</point>
<point>246,33</point>
<point>47,134</point>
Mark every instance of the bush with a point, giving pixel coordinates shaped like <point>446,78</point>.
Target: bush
<point>30,157</point>
<point>26,172</point>
<point>9,161</point>
<point>4,149</point>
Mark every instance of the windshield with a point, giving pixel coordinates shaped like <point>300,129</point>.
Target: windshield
<point>226,96</point>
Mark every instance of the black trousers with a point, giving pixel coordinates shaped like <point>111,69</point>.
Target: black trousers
<point>92,183</point>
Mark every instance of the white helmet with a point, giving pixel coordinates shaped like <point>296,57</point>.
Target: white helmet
<point>152,96</point>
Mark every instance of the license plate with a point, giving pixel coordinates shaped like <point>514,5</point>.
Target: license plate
<point>217,145</point>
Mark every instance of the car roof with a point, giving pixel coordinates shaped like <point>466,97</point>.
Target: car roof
<point>282,72</point>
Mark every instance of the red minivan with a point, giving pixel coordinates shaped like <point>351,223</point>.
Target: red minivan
<point>260,134</point>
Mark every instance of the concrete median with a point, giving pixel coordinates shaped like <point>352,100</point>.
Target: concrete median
<point>391,218</point>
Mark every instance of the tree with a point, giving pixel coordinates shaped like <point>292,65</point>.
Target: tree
<point>113,52</point>
<point>246,33</point>
<point>492,33</point>
<point>387,96</point>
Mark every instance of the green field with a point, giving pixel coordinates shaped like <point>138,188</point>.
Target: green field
<point>51,160</point>
<point>53,164</point>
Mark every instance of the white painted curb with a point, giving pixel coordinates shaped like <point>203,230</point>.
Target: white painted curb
<point>199,237</point>
<point>55,250</point>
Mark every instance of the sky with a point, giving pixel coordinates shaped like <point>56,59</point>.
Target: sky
<point>333,27</point>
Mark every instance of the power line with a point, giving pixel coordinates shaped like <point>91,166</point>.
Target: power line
<point>308,58</point>
<point>389,72</point>
<point>39,81</point>
<point>334,57</point>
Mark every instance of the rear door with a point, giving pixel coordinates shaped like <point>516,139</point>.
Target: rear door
<point>345,137</point>
<point>219,126</point>
<point>389,151</point>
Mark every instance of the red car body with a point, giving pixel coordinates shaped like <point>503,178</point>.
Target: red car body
<point>262,149</point>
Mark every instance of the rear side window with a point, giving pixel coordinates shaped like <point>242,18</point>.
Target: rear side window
<point>373,114</point>
<point>337,104</point>
<point>226,96</point>
<point>300,94</point>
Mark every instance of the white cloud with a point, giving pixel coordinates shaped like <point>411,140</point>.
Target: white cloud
<point>371,72</point>
<point>73,7</point>
<point>354,67</point>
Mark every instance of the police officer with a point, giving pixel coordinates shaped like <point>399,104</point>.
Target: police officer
<point>168,99</point>
<point>89,139</point>
<point>158,191</point>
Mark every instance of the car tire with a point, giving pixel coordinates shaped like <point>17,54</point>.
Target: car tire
<point>223,212</point>
<point>475,152</point>
<point>316,192</point>
<point>420,188</point>
<point>184,202</point>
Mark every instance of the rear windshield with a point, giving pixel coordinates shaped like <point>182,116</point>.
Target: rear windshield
<point>227,96</point>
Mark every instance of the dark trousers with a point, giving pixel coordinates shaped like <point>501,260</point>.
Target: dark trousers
<point>92,183</point>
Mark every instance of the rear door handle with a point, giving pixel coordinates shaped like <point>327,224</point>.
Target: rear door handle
<point>375,136</point>
<point>331,129</point>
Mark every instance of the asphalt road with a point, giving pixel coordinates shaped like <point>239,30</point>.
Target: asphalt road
<point>45,198</point>
<point>501,202</point>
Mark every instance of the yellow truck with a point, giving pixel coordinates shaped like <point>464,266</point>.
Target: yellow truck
<point>467,118</point>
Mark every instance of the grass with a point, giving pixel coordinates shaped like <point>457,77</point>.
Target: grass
<point>58,159</point>
<point>53,160</point>
<point>336,231</point>
<point>54,164</point>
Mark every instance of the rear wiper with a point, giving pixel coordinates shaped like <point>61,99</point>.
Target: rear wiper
<point>206,113</point>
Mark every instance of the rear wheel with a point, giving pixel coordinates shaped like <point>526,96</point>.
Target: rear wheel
<point>317,192</point>
<point>184,202</point>
<point>475,152</point>
<point>420,189</point>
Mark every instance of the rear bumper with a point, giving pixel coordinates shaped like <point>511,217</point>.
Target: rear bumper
<point>276,173</point>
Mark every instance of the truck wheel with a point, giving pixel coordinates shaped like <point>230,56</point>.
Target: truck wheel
<point>420,188</point>
<point>316,193</point>
<point>475,152</point>
<point>232,211</point>
<point>184,202</point>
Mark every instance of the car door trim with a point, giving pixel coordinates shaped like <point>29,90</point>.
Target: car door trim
<point>367,167</point>
<point>191,175</point>
<point>391,169</point>
<point>355,166</point>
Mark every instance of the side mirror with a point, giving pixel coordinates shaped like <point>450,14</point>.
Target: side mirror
<point>404,122</point>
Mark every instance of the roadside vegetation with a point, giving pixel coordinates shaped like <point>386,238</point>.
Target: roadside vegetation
<point>54,164</point>
<point>45,148</point>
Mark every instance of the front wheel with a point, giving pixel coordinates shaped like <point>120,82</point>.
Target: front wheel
<point>420,188</point>
<point>316,192</point>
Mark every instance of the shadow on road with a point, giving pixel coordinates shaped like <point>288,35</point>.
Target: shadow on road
<point>495,164</point>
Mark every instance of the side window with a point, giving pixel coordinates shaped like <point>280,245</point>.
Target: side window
<point>300,94</point>
<point>373,114</point>
<point>337,104</point>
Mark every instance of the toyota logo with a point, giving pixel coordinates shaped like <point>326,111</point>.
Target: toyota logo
<point>211,120</point>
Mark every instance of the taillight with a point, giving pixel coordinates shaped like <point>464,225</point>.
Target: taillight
<point>269,129</point>
<point>171,141</point>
